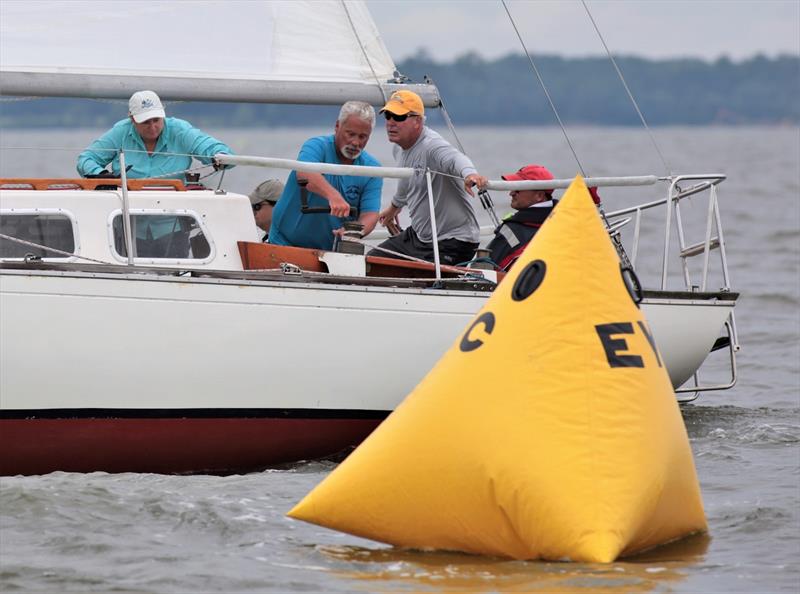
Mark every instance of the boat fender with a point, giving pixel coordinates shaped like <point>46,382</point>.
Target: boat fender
<point>576,451</point>
<point>632,284</point>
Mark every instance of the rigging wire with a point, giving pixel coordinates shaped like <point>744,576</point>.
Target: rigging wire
<point>51,249</point>
<point>544,88</point>
<point>364,51</point>
<point>623,256</point>
<point>485,198</point>
<point>627,89</point>
<point>169,174</point>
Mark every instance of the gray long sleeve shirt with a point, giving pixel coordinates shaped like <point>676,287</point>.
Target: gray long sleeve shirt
<point>454,208</point>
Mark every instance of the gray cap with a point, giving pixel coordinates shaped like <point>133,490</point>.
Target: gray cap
<point>269,190</point>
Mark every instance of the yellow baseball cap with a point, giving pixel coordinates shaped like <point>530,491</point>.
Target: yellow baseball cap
<point>403,102</point>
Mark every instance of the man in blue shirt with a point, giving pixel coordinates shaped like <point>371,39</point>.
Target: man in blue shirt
<point>154,145</point>
<point>344,147</point>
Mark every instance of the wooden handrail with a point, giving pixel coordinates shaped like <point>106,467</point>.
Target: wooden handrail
<point>31,183</point>
<point>260,256</point>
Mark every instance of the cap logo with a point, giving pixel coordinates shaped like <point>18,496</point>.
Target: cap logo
<point>147,103</point>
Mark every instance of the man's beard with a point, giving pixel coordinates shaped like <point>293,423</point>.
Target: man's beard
<point>351,152</point>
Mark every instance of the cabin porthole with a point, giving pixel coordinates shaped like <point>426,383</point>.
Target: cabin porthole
<point>529,280</point>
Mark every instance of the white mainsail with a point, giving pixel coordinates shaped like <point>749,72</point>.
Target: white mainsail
<point>244,51</point>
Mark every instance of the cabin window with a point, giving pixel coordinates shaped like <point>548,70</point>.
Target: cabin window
<point>47,229</point>
<point>172,236</point>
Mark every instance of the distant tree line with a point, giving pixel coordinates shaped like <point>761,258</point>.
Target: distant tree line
<point>505,92</point>
<point>588,91</point>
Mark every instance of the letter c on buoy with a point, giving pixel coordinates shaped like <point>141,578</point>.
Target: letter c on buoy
<point>467,344</point>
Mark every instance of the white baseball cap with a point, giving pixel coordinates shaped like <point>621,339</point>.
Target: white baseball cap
<point>145,105</point>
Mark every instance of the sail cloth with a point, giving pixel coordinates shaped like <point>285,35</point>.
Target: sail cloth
<point>240,50</point>
<point>548,430</point>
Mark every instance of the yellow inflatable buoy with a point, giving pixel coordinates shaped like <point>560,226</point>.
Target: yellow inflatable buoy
<point>548,430</point>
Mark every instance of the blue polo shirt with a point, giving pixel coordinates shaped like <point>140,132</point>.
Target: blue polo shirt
<point>291,227</point>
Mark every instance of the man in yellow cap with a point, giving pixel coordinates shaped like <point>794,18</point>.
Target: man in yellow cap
<point>421,148</point>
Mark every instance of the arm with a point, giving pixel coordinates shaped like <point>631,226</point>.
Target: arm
<point>389,216</point>
<point>313,151</point>
<point>99,154</point>
<point>369,220</point>
<point>319,185</point>
<point>447,159</point>
<point>370,203</point>
<point>199,144</point>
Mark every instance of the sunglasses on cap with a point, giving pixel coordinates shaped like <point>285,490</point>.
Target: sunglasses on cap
<point>398,118</point>
<point>257,207</point>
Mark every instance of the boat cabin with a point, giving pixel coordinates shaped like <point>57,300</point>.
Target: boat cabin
<point>171,226</point>
<point>82,220</point>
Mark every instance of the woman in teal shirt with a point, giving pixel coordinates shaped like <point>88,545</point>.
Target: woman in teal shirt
<point>154,145</point>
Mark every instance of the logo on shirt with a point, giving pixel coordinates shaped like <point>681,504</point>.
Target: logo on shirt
<point>352,194</point>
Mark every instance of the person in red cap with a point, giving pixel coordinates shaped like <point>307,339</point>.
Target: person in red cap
<point>532,208</point>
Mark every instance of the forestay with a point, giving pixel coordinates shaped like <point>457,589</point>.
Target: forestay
<point>242,51</point>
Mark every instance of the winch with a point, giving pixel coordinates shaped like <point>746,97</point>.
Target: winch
<point>350,241</point>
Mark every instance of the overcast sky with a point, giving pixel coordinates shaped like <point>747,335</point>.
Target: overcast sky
<point>649,28</point>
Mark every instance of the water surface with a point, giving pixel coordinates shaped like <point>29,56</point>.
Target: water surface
<point>145,533</point>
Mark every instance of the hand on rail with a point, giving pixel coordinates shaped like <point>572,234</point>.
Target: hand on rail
<point>473,179</point>
<point>217,165</point>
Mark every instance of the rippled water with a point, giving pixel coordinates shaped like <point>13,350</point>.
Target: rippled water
<point>138,532</point>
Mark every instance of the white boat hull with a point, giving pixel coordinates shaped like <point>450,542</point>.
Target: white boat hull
<point>163,342</point>
<point>296,370</point>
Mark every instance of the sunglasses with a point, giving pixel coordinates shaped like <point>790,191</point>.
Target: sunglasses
<point>257,207</point>
<point>398,118</point>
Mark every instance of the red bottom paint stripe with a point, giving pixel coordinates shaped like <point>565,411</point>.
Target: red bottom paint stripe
<point>193,445</point>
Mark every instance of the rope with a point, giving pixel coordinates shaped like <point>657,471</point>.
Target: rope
<point>113,150</point>
<point>288,268</point>
<point>7,99</point>
<point>627,90</point>
<point>169,174</point>
<point>388,251</point>
<point>544,88</point>
<point>402,256</point>
<point>50,249</point>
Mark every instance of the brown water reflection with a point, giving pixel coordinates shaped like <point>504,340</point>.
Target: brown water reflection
<point>391,569</point>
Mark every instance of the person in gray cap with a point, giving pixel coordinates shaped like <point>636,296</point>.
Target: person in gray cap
<point>263,199</point>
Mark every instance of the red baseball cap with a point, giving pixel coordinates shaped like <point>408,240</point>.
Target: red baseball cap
<point>529,173</point>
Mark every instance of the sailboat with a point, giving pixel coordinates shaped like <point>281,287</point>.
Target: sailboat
<point>203,349</point>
